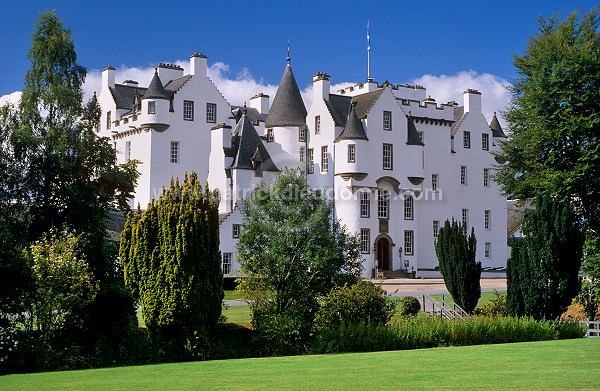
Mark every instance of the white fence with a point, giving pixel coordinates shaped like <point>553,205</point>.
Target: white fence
<point>593,328</point>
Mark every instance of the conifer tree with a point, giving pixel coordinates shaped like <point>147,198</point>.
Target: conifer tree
<point>544,270</point>
<point>172,262</point>
<point>456,256</point>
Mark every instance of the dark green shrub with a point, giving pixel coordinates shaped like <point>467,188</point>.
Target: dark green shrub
<point>569,329</point>
<point>409,306</point>
<point>352,304</point>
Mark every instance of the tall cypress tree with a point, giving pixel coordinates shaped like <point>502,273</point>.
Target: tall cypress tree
<point>456,256</point>
<point>172,262</point>
<point>544,270</point>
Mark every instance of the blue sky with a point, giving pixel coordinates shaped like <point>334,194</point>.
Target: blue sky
<point>418,41</point>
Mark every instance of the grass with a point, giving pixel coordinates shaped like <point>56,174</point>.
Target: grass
<point>238,314</point>
<point>565,364</point>
<point>233,295</point>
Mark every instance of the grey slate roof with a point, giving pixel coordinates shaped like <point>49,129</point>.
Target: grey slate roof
<point>496,128</point>
<point>354,129</point>
<point>365,102</point>
<point>339,108</point>
<point>459,117</point>
<point>124,95</point>
<point>254,115</point>
<point>288,107</point>
<point>156,90</point>
<point>249,145</point>
<point>413,135</point>
<point>174,85</point>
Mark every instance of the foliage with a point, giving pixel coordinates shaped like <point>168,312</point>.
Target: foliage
<point>61,174</point>
<point>543,272</point>
<point>589,297</point>
<point>292,251</point>
<point>409,306</point>
<point>495,307</point>
<point>62,282</point>
<point>456,256</point>
<point>554,116</point>
<point>426,331</point>
<point>171,259</point>
<point>362,301</point>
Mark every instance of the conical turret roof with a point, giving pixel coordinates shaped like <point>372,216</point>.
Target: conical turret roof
<point>288,107</point>
<point>496,128</point>
<point>354,129</point>
<point>250,147</point>
<point>155,89</point>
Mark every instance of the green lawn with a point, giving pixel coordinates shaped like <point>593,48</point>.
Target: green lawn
<point>238,314</point>
<point>233,295</point>
<point>565,364</point>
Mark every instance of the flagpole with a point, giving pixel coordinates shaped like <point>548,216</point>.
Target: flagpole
<point>369,78</point>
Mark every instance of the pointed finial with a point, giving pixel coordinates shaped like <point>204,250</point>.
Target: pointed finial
<point>288,56</point>
<point>245,110</point>
<point>494,113</point>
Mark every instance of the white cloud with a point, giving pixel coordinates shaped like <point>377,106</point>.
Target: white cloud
<point>14,98</point>
<point>444,88</point>
<point>239,88</point>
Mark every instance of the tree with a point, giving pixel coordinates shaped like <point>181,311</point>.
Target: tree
<point>61,174</point>
<point>456,256</point>
<point>292,251</point>
<point>62,282</point>
<point>172,262</point>
<point>543,272</point>
<point>554,116</point>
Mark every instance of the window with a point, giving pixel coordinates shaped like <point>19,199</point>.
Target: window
<point>270,136</point>
<point>387,120</point>
<point>365,240</point>
<point>301,154</point>
<point>463,175</point>
<point>488,250</point>
<point>435,180</point>
<point>324,159</point>
<point>211,113</point>
<point>174,151</point>
<point>311,161</point>
<point>486,177</point>
<point>408,208</point>
<point>465,217</point>
<point>383,203</point>
<point>436,229</point>
<point>151,107</point>
<point>387,156</point>
<point>227,257</point>
<point>487,219</point>
<point>127,151</point>
<point>466,139</point>
<point>236,231</point>
<point>317,124</point>
<point>351,153</point>
<point>108,120</point>
<point>485,141</point>
<point>365,204</point>
<point>421,135</point>
<point>409,238</point>
<point>302,135</point>
<point>188,110</point>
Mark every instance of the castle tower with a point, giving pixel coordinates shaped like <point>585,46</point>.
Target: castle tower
<point>286,117</point>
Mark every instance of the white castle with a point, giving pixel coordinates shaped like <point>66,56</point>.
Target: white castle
<point>396,163</point>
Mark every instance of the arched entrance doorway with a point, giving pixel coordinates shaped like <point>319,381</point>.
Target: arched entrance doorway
<point>384,253</point>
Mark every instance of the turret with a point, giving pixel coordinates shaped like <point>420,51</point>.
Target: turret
<point>496,128</point>
<point>155,105</point>
<point>351,145</point>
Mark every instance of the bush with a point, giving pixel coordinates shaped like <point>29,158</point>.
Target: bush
<point>352,304</point>
<point>409,306</point>
<point>426,331</point>
<point>495,307</point>
<point>569,329</point>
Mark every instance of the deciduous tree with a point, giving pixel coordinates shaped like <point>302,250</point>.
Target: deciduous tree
<point>292,251</point>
